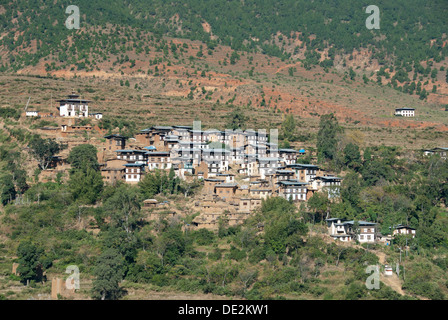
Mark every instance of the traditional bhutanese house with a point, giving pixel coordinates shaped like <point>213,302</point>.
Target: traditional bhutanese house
<point>192,145</point>
<point>236,155</point>
<point>273,151</point>
<point>150,203</point>
<point>226,191</point>
<point>187,155</point>
<point>73,106</point>
<point>112,175</point>
<point>209,184</point>
<point>234,138</point>
<point>259,150</point>
<point>213,135</point>
<point>289,156</point>
<point>247,205</point>
<point>283,175</point>
<point>171,141</point>
<point>217,160</point>
<point>292,190</point>
<point>183,168</point>
<point>268,166</point>
<point>367,231</point>
<point>96,115</point>
<point>197,136</point>
<point>340,229</point>
<point>242,192</point>
<point>401,229</point>
<point>249,166</point>
<point>201,171</point>
<point>442,152</point>
<point>255,137</point>
<point>154,136</point>
<point>115,142</point>
<point>143,137</point>
<point>158,160</point>
<point>405,112</point>
<point>305,172</point>
<point>134,172</point>
<point>260,184</point>
<point>260,193</point>
<point>132,155</point>
<point>32,113</point>
<point>113,171</point>
<point>183,132</point>
<point>229,178</point>
<point>329,184</point>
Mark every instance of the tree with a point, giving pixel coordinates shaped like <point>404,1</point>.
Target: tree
<point>30,267</point>
<point>289,128</point>
<point>86,186</point>
<point>327,137</point>
<point>352,156</point>
<point>44,150</point>
<point>83,157</point>
<point>109,273</point>
<point>319,203</point>
<point>124,207</point>
<point>7,190</point>
<point>236,120</point>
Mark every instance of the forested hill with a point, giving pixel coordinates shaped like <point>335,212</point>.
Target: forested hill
<point>410,31</point>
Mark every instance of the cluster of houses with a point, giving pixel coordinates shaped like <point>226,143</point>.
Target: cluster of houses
<point>238,168</point>
<point>362,231</point>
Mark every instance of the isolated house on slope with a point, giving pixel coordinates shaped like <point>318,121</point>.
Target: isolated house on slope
<point>340,229</point>
<point>73,106</point>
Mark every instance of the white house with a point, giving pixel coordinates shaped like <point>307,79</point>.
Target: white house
<point>340,229</point>
<point>134,172</point>
<point>32,113</point>
<point>97,115</point>
<point>401,229</point>
<point>405,112</point>
<point>73,106</point>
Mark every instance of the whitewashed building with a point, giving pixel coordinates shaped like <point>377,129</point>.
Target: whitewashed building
<point>74,106</point>
<point>405,112</point>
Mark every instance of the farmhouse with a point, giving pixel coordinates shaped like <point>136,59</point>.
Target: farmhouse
<point>340,229</point>
<point>405,112</point>
<point>73,106</point>
<point>401,229</point>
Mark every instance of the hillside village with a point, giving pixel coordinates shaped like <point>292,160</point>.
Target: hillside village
<point>238,169</point>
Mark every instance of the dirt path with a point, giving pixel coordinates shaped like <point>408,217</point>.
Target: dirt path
<point>392,281</point>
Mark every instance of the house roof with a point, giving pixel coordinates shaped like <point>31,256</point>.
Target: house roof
<point>288,150</point>
<point>110,136</point>
<point>351,222</point>
<point>301,165</point>
<point>226,185</point>
<point>292,183</point>
<point>327,178</point>
<point>135,165</point>
<point>131,151</point>
<point>158,153</point>
<point>400,226</point>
